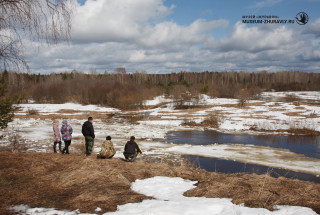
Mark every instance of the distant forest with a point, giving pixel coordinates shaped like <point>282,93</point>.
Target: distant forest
<point>127,91</point>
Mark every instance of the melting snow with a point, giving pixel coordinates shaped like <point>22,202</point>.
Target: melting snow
<point>169,200</point>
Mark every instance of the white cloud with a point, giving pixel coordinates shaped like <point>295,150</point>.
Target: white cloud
<point>314,28</point>
<point>255,38</point>
<point>137,35</point>
<point>266,3</point>
<point>115,20</point>
<point>139,21</point>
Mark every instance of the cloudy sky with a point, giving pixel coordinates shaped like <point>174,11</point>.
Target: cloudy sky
<point>161,36</point>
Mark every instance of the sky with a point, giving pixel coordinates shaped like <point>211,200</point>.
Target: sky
<point>163,36</point>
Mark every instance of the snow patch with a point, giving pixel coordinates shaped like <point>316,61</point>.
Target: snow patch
<point>169,200</point>
<point>157,100</point>
<point>54,108</point>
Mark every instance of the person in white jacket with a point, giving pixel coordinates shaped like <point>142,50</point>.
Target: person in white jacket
<point>56,136</point>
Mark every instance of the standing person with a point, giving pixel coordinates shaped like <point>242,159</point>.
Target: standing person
<point>107,149</point>
<point>66,131</point>
<point>88,133</point>
<point>131,150</point>
<point>56,136</point>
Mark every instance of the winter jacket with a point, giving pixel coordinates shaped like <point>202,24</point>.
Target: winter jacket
<point>56,133</point>
<point>87,129</point>
<point>107,149</point>
<point>66,131</point>
<point>132,147</point>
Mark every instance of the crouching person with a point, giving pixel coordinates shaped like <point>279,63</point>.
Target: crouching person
<point>131,150</point>
<point>107,149</point>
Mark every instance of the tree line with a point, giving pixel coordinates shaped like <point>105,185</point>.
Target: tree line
<point>127,91</point>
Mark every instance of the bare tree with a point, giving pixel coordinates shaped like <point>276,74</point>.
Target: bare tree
<point>47,21</point>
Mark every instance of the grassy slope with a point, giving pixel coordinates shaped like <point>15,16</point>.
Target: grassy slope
<point>75,181</point>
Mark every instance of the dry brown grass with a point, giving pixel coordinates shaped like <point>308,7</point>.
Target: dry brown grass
<point>188,122</point>
<point>298,113</point>
<point>296,131</point>
<point>76,181</point>
<point>312,115</point>
<point>259,103</point>
<point>276,104</point>
<point>212,121</point>
<point>259,190</point>
<point>67,111</point>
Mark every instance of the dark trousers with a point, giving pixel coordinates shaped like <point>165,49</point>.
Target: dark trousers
<point>89,144</point>
<point>67,143</point>
<point>55,145</point>
<point>130,157</point>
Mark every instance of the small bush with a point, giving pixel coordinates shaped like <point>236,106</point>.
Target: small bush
<point>291,98</point>
<point>242,102</point>
<point>32,112</point>
<point>188,122</point>
<point>212,121</point>
<point>187,101</point>
<point>205,89</point>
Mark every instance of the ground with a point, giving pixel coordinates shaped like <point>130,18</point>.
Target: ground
<point>85,183</point>
<point>275,112</point>
<point>31,174</point>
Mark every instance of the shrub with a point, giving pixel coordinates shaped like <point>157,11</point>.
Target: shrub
<point>188,122</point>
<point>205,89</point>
<point>213,121</point>
<point>291,98</point>
<point>32,112</point>
<point>242,102</point>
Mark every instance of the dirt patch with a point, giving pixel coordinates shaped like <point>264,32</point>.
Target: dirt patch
<point>256,103</point>
<point>298,113</point>
<point>75,181</point>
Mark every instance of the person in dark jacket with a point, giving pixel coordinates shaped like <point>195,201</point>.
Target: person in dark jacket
<point>131,150</point>
<point>88,133</point>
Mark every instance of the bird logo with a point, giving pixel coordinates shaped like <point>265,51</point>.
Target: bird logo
<point>302,18</point>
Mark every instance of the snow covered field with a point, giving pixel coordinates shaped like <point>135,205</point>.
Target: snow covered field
<point>35,132</point>
<point>272,115</point>
<point>169,200</point>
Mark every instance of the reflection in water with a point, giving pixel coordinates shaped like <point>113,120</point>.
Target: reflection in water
<point>228,166</point>
<point>307,145</point>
